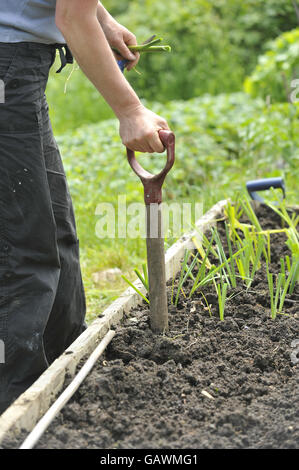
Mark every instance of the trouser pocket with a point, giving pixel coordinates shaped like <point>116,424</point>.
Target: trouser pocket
<point>8,56</point>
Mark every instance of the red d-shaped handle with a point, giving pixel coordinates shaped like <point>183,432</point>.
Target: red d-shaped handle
<point>153,183</point>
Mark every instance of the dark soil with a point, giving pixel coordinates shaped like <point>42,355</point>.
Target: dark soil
<point>205,384</point>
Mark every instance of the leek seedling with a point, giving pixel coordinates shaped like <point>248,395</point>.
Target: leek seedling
<point>291,221</point>
<point>288,263</point>
<point>201,275</point>
<point>202,252</point>
<point>232,264</point>
<point>230,268</point>
<point>247,207</point>
<point>207,304</point>
<point>291,279</point>
<point>184,276</point>
<point>294,275</point>
<point>234,224</point>
<point>250,257</point>
<point>180,283</point>
<point>222,292</point>
<point>278,296</point>
<point>148,46</point>
<point>269,247</point>
<point>245,203</point>
<point>135,288</point>
<point>282,264</point>
<point>140,48</point>
<point>256,262</point>
<point>243,262</point>
<point>202,279</point>
<point>143,279</point>
<point>283,283</point>
<point>273,295</point>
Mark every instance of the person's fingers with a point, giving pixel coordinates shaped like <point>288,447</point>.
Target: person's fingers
<point>150,143</point>
<point>117,56</point>
<point>130,40</point>
<point>137,147</point>
<point>134,62</point>
<point>164,125</point>
<point>141,133</point>
<point>124,50</point>
<point>142,145</point>
<point>155,142</point>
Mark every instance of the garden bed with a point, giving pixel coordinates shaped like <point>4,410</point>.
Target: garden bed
<point>207,383</point>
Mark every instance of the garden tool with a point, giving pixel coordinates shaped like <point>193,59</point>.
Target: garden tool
<point>154,232</point>
<point>262,185</point>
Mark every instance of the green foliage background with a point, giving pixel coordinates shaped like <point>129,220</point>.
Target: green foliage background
<point>215,45</point>
<point>276,69</point>
<point>223,90</point>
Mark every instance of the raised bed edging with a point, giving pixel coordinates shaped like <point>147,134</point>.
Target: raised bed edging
<point>25,412</point>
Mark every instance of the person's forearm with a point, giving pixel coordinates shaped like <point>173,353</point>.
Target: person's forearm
<point>80,25</point>
<point>88,44</point>
<point>102,13</point>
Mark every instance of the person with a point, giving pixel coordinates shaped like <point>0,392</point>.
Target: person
<point>42,303</point>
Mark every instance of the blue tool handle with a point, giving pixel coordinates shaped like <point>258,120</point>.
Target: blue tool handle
<point>122,64</point>
<point>264,184</point>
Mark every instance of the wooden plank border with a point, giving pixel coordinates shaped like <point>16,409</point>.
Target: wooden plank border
<point>29,407</point>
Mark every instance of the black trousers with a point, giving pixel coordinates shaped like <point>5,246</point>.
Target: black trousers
<point>42,302</point>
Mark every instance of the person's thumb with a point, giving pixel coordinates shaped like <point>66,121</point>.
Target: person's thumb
<point>125,51</point>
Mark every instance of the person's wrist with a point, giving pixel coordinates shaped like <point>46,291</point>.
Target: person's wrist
<point>102,14</point>
<point>129,111</point>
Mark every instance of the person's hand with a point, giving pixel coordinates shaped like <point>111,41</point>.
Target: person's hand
<point>119,38</point>
<point>139,130</point>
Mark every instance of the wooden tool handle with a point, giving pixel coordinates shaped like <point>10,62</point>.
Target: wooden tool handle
<point>153,183</point>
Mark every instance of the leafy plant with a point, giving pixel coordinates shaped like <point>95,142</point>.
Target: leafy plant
<point>276,69</point>
<point>209,39</point>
